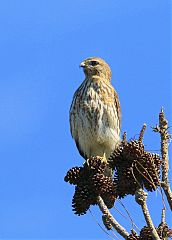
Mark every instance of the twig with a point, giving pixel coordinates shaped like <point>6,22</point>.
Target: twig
<point>140,197</point>
<point>163,216</point>
<point>124,138</point>
<point>142,132</point>
<point>100,225</point>
<point>163,130</point>
<point>132,222</point>
<point>115,224</point>
<point>142,173</point>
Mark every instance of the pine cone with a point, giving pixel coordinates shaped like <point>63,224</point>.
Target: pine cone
<point>164,231</point>
<point>145,233</point>
<point>95,165</point>
<point>82,200</point>
<point>73,175</point>
<point>133,236</point>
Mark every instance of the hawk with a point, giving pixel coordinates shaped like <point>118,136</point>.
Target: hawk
<point>95,114</point>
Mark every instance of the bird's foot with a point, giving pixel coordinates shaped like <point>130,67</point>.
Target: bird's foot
<point>104,159</point>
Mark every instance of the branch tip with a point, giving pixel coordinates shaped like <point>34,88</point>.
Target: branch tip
<point>124,138</point>
<point>142,132</point>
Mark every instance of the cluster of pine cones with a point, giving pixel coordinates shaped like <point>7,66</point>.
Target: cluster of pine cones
<point>91,182</point>
<point>132,167</point>
<point>163,231</point>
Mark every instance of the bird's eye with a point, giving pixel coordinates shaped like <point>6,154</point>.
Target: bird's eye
<point>93,63</point>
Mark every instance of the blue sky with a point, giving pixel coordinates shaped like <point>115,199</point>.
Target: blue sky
<point>41,46</point>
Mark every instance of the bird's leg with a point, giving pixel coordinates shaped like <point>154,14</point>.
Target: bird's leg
<point>108,171</point>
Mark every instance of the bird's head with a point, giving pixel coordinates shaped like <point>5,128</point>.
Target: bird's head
<point>96,67</point>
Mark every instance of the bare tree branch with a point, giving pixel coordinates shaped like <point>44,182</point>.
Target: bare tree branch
<point>163,130</point>
<point>140,197</point>
<point>163,125</point>
<point>108,215</point>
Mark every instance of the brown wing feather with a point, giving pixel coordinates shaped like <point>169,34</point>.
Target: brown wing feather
<point>118,108</point>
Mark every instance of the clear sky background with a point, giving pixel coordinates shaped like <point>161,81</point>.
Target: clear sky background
<point>41,46</point>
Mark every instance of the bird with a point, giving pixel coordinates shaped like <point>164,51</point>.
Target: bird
<point>95,112</point>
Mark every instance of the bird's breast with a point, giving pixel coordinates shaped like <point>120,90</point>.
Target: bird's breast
<point>95,110</point>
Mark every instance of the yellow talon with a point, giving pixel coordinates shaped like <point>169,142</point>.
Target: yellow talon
<point>104,159</point>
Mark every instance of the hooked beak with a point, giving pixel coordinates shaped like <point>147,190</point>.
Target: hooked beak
<point>82,64</point>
